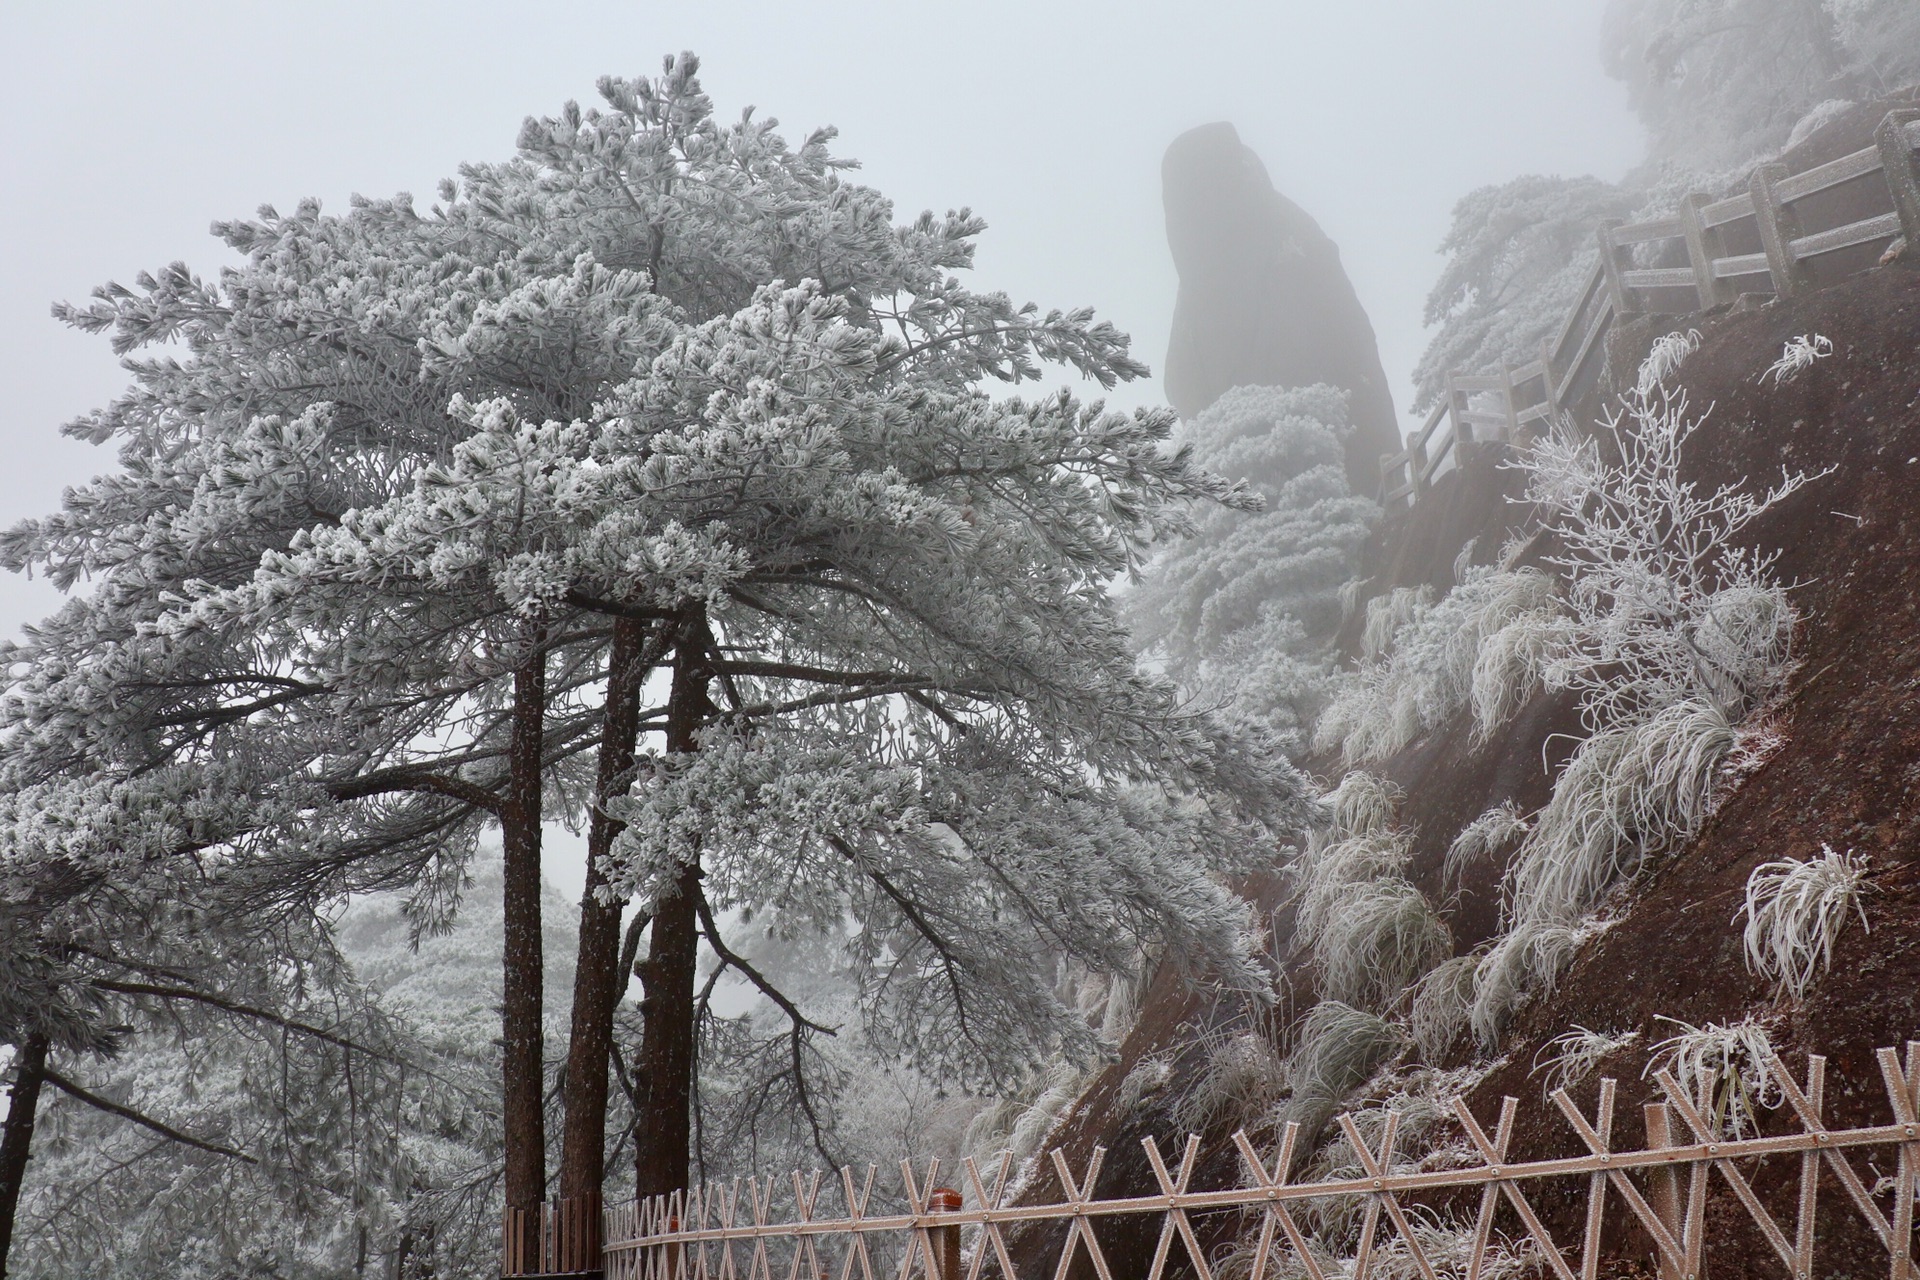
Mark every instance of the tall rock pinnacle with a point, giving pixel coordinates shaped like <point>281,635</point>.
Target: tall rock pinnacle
<point>1263,298</point>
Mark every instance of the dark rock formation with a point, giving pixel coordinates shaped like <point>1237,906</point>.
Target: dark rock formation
<point>1263,298</point>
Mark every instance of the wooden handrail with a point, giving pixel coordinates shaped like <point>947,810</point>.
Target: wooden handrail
<point>1616,284</point>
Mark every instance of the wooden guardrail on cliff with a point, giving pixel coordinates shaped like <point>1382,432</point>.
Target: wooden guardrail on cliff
<point>1660,1187</point>
<point>1568,366</point>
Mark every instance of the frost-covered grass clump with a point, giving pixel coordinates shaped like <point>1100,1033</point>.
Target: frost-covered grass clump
<point>1571,1056</point>
<point>1240,1078</point>
<point>1796,356</point>
<point>1484,644</point>
<point>1441,1002</point>
<point>1338,1050</point>
<point>1794,912</point>
<point>1723,1069</point>
<point>1373,933</point>
<point>1493,833</point>
<point>1674,633</point>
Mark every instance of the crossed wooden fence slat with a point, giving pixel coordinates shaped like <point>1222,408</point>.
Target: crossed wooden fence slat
<point>680,1237</point>
<point>1568,366</point>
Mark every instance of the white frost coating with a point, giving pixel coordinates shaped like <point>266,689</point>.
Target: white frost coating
<point>1669,351</point>
<point>1243,610</point>
<point>1441,1002</point>
<point>1492,833</point>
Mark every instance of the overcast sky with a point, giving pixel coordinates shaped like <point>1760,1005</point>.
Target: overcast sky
<point>126,128</point>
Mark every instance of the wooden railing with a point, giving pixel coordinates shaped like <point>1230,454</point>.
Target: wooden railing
<point>561,1238</point>
<point>1568,365</point>
<point>1661,1186</point>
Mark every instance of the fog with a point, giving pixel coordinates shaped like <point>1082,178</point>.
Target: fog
<point>131,127</point>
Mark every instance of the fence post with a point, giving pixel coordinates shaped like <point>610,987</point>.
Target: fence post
<point>1703,246</point>
<point>1548,381</point>
<point>1778,227</point>
<point>945,1240</point>
<point>1417,466</point>
<point>1610,254</point>
<point>1513,409</point>
<point>1896,162</point>
<point>1663,1182</point>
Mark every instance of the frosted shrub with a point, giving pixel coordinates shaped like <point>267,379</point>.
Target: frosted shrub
<point>1364,802</point>
<point>1245,609</point>
<point>1372,931</point>
<point>1571,1056</point>
<point>1666,356</point>
<point>1339,1049</point>
<point>1441,1002</point>
<point>1625,794</point>
<point>1665,603</point>
<point>1448,1247</point>
<point>1794,911</point>
<point>1148,1077</point>
<point>1673,633</point>
<point>1525,962</point>
<point>1487,836</point>
<point>1722,1068</point>
<point>1439,663</point>
<point>1797,355</point>
<point>1240,1078</point>
<point>1380,938</point>
<point>1386,614</point>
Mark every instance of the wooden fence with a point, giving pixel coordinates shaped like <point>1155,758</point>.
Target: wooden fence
<point>562,1238</point>
<point>1772,212</point>
<point>1663,1186</point>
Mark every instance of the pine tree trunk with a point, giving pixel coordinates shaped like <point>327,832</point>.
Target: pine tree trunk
<point>521,1062</point>
<point>663,1127</point>
<point>597,980</point>
<point>23,1103</point>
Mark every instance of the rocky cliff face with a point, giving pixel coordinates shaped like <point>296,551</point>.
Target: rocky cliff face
<point>1263,298</point>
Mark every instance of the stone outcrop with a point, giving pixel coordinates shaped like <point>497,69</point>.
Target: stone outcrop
<point>1263,297</point>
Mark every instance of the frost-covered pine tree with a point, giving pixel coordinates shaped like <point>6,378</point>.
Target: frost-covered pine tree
<point>643,483</point>
<point>1518,255</point>
<point>1245,609</point>
<point>1720,83</point>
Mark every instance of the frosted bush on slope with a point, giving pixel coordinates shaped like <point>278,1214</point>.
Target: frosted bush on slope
<point>1796,355</point>
<point>1723,1069</point>
<point>1387,613</point>
<point>1240,1077</point>
<point>1674,633</point>
<point>1382,940</point>
<point>1372,932</point>
<point>1665,602</point>
<point>1667,354</point>
<point>1794,912</point>
<point>1480,646</point>
<point>1492,833</point>
<point>1339,1049</point>
<point>1441,1002</point>
<point>1571,1056</point>
<point>1525,963</point>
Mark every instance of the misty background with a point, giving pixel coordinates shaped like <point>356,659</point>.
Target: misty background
<point>130,127</point>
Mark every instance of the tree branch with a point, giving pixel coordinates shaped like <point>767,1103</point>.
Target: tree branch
<point>234,1006</point>
<point>752,975</point>
<point>145,1121</point>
